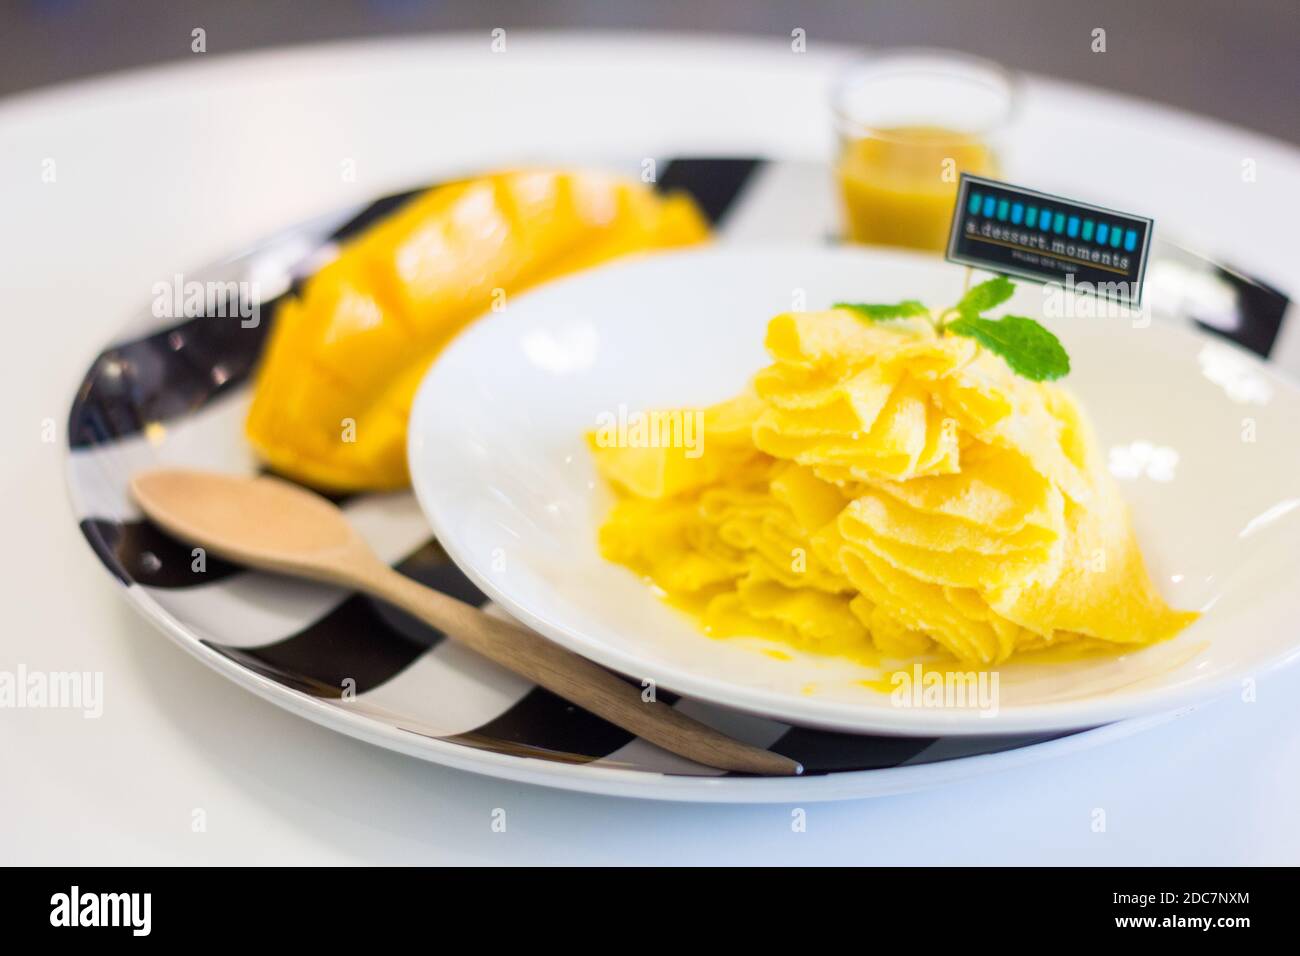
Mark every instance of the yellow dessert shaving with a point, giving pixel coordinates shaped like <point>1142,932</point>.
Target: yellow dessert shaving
<point>886,489</point>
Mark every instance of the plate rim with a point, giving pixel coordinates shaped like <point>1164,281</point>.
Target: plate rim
<point>810,712</point>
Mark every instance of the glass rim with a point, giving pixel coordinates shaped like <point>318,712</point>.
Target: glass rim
<point>1004,78</point>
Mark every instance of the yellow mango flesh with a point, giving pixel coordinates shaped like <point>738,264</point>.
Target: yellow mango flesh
<point>887,490</point>
<point>335,385</point>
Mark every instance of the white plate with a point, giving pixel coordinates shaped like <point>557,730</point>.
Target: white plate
<point>1209,437</point>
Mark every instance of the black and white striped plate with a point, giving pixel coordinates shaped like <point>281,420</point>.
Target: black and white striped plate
<point>175,392</point>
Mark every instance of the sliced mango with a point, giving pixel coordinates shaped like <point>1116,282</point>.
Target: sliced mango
<point>335,385</point>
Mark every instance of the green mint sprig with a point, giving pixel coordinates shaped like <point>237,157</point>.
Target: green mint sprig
<point>883,313</point>
<point>987,295</point>
<point>1029,349</point>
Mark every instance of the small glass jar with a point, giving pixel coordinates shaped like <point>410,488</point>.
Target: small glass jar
<point>908,123</point>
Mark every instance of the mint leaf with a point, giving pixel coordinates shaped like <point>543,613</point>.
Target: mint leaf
<point>986,296</point>
<point>883,313</point>
<point>1031,350</point>
<point>1028,348</point>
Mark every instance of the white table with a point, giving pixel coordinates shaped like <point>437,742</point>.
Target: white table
<point>163,170</point>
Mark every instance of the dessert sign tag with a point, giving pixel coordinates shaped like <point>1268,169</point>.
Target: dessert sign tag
<point>1033,235</point>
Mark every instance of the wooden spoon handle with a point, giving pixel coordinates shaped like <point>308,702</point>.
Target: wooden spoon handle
<point>575,678</point>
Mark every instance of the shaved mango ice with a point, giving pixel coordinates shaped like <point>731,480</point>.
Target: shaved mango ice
<point>888,490</point>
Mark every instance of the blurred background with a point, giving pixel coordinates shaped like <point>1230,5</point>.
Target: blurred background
<point>1237,60</point>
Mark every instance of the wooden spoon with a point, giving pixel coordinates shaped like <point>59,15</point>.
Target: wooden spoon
<point>272,524</point>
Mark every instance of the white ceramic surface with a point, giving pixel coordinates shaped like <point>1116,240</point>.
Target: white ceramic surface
<point>1205,440</point>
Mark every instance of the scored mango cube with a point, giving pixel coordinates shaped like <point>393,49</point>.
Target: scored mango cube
<point>334,388</point>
